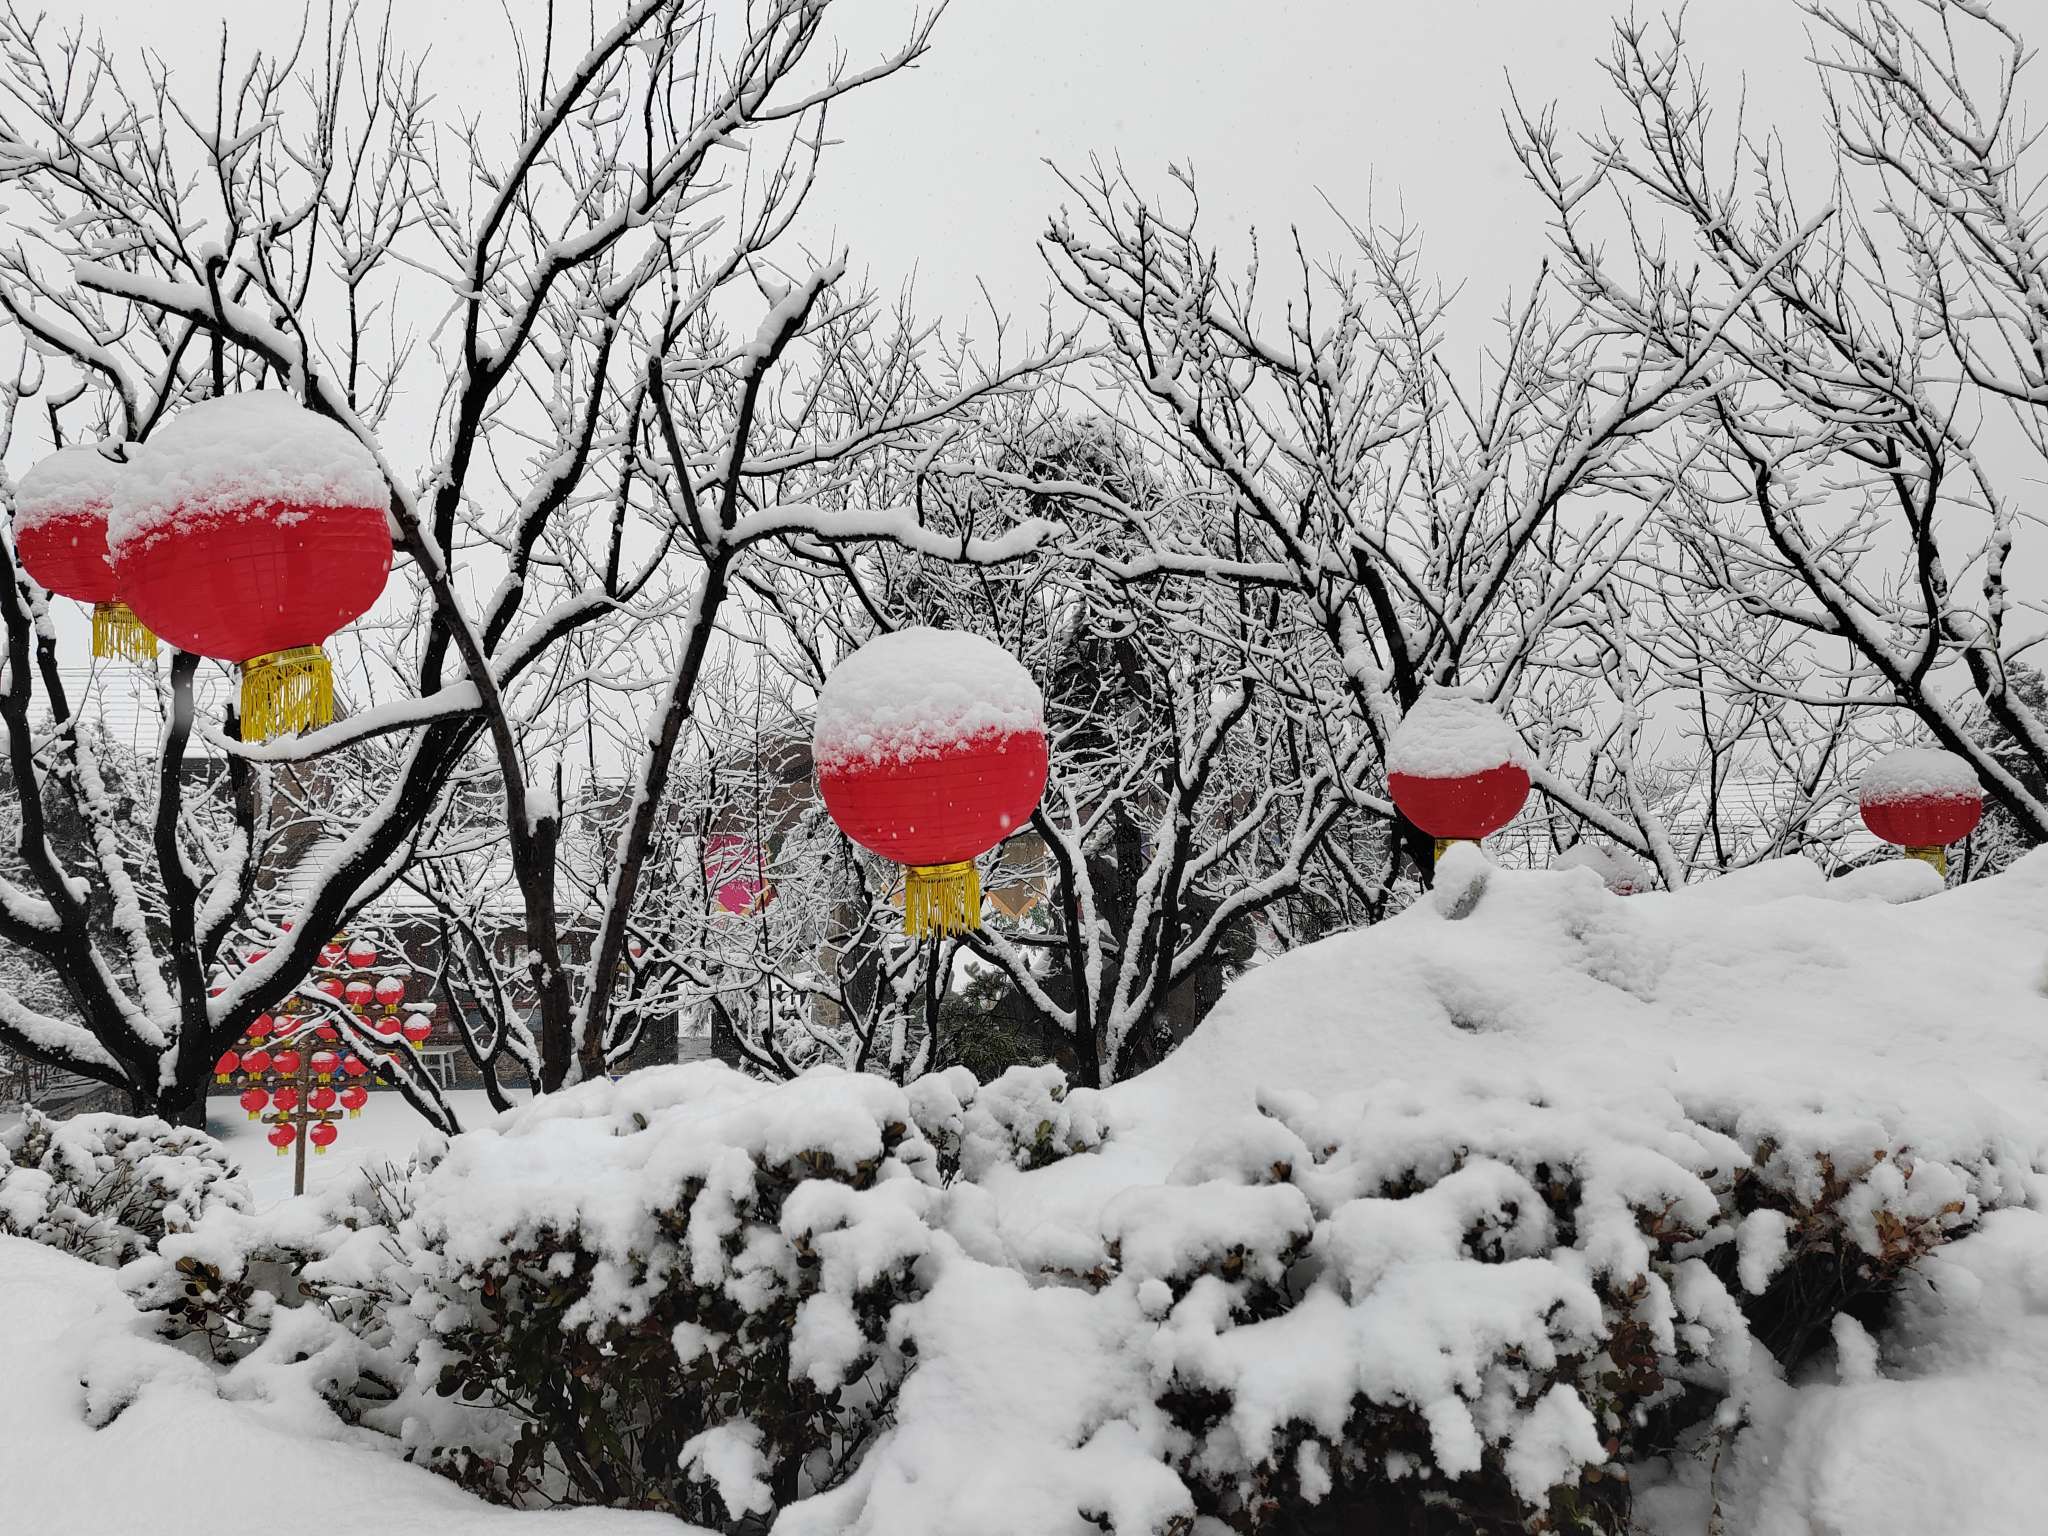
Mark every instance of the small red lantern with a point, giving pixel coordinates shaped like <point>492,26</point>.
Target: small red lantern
<point>256,955</point>
<point>353,1099</point>
<point>417,1031</point>
<point>930,750</point>
<point>333,986</point>
<point>390,992</point>
<point>1455,769</point>
<point>253,1100</point>
<point>328,1033</point>
<point>354,1066</point>
<point>387,1027</point>
<point>358,995</point>
<point>286,1100</point>
<point>256,1063</point>
<point>286,1062</point>
<point>324,1064</point>
<point>282,1137</point>
<point>60,532</point>
<point>332,955</point>
<point>1922,799</point>
<point>262,1027</point>
<point>322,1136</point>
<point>362,954</point>
<point>250,529</point>
<point>225,1068</point>
<point>321,1099</point>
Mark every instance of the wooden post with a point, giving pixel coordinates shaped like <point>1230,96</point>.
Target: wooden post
<point>302,1080</point>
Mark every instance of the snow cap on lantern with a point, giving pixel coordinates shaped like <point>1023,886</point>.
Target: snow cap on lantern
<point>1455,768</point>
<point>1922,799</point>
<point>930,750</point>
<point>61,508</point>
<point>249,529</point>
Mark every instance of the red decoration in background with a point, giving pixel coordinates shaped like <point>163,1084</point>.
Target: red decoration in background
<point>1924,821</point>
<point>732,868</point>
<point>324,1064</point>
<point>322,1136</point>
<point>286,1099</point>
<point>256,1063</point>
<point>321,1098</point>
<point>254,1100</point>
<point>262,1027</point>
<point>353,1099</point>
<point>362,954</point>
<point>282,1137</point>
<point>358,994</point>
<point>1466,808</point>
<point>225,1067</point>
<point>417,1031</point>
<point>285,1062</point>
<point>331,955</point>
<point>333,986</point>
<point>355,1066</point>
<point>387,1027</point>
<point>390,992</point>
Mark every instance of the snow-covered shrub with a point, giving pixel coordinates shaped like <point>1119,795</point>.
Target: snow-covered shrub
<point>107,1187</point>
<point>1026,1118</point>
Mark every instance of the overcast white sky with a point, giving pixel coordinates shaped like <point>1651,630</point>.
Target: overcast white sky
<point>1391,106</point>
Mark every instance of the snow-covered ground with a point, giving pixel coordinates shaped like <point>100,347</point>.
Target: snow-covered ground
<point>388,1129</point>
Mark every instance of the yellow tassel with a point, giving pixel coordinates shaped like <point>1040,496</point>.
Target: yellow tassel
<point>117,632</point>
<point>1938,857</point>
<point>1445,844</point>
<point>941,898</point>
<point>286,691</point>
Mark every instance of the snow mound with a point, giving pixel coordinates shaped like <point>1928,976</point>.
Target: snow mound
<point>917,692</point>
<point>224,457</point>
<point>68,483</point>
<point>1619,870</point>
<point>1447,735</point>
<point>1917,773</point>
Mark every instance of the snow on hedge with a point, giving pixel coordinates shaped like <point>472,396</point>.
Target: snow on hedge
<point>915,692</point>
<point>1448,735</point>
<point>67,483</point>
<point>1918,773</point>
<point>1537,1212</point>
<point>225,456</point>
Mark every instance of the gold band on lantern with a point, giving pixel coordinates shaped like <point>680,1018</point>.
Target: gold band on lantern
<point>941,898</point>
<point>286,691</point>
<point>117,632</point>
<point>1445,844</point>
<point>1938,857</point>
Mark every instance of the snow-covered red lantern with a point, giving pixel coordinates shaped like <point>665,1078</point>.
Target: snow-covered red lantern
<point>353,1098</point>
<point>732,869</point>
<point>1455,768</point>
<point>333,986</point>
<point>324,1064</point>
<point>253,1101</point>
<point>226,1067</point>
<point>321,1099</point>
<point>60,531</point>
<point>262,1027</point>
<point>249,529</point>
<point>332,955</point>
<point>286,1100</point>
<point>390,992</point>
<point>354,1066</point>
<point>256,1063</point>
<point>322,1136</point>
<point>362,954</point>
<point>282,1137</point>
<point>930,750</point>
<point>387,1027</point>
<point>417,1031</point>
<point>328,1033</point>
<point>286,1062</point>
<point>1922,799</point>
<point>358,994</point>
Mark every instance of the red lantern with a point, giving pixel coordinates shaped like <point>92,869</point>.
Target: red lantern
<point>328,1033</point>
<point>253,1100</point>
<point>256,955</point>
<point>321,1099</point>
<point>333,986</point>
<point>256,1063</point>
<point>324,1064</point>
<point>386,1027</point>
<point>1922,800</point>
<point>362,954</point>
<point>249,529</point>
<point>286,1100</point>
<point>286,1062</point>
<point>262,1027</point>
<point>331,955</point>
<point>353,1099</point>
<point>390,992</point>
<point>60,532</point>
<point>322,1136</point>
<point>225,1067</point>
<point>358,995</point>
<point>417,1031</point>
<point>1454,769</point>
<point>930,750</point>
<point>354,1066</point>
<point>282,1137</point>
